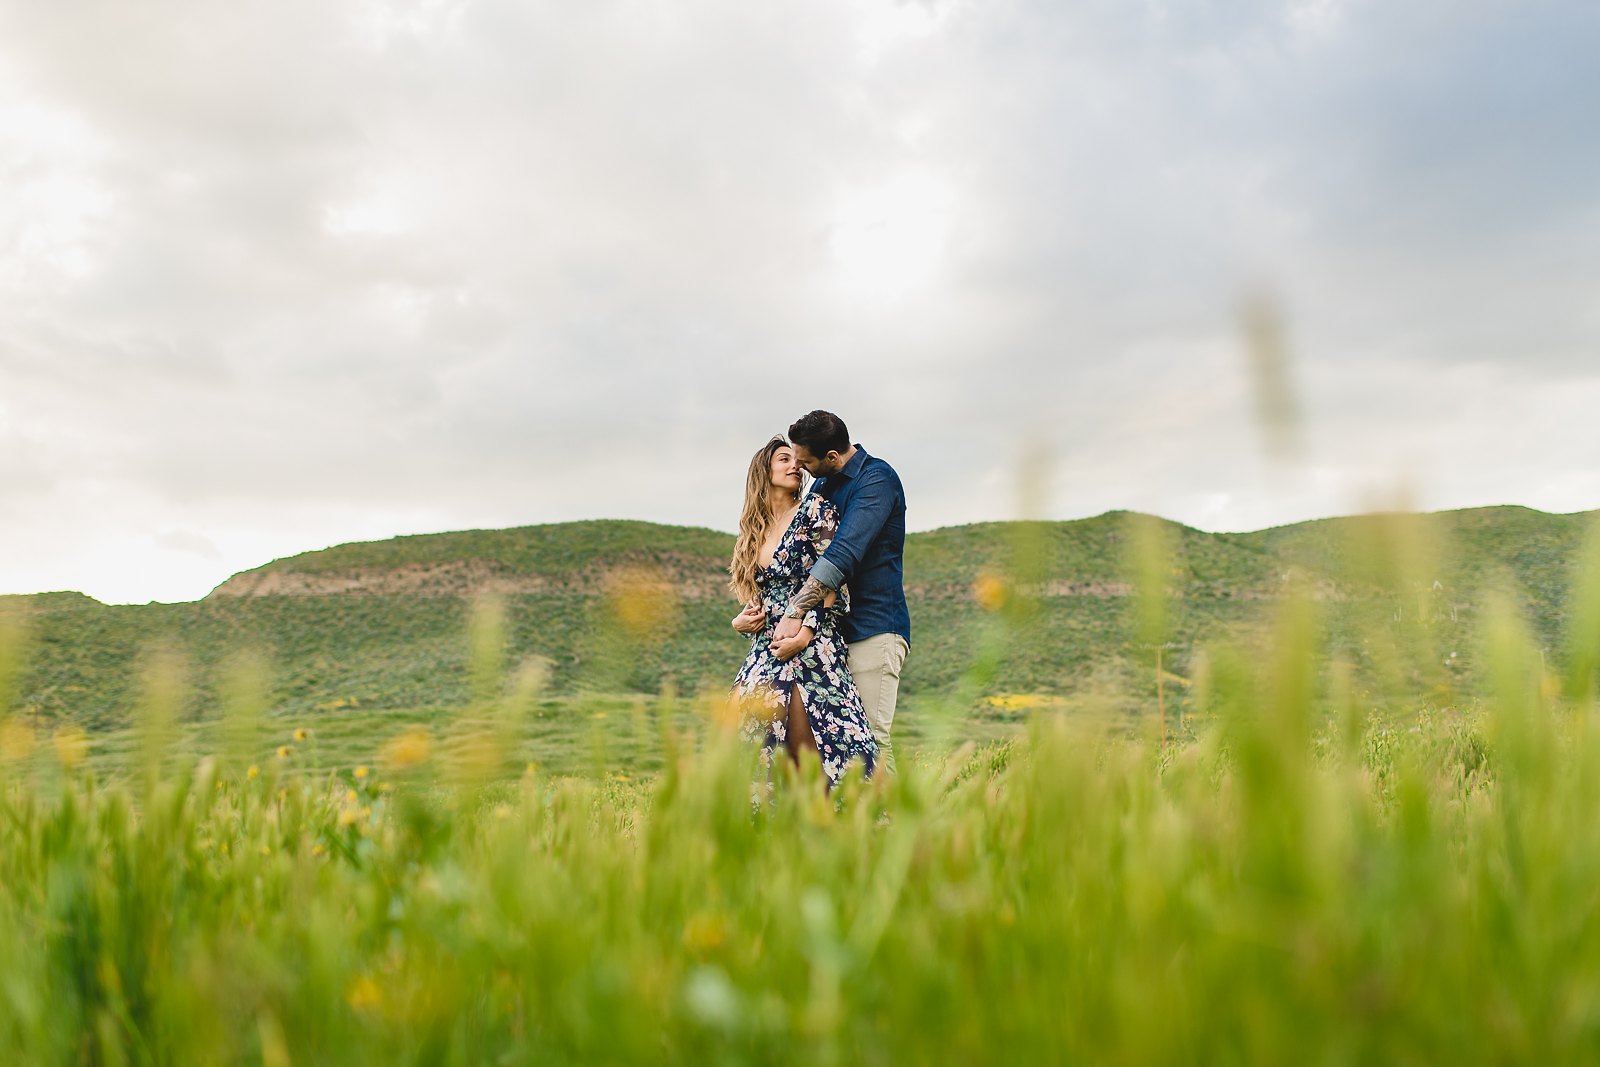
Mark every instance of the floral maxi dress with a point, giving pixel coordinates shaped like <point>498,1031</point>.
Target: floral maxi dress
<point>821,670</point>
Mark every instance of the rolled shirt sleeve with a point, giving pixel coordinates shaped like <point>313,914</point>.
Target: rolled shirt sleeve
<point>827,573</point>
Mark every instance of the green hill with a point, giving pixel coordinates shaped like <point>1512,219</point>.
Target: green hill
<point>632,606</point>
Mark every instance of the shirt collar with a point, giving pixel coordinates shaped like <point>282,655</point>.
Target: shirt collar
<point>853,468</point>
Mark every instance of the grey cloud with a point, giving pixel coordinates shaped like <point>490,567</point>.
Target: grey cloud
<point>509,262</point>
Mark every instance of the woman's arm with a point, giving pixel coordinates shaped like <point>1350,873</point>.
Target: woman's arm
<point>751,619</point>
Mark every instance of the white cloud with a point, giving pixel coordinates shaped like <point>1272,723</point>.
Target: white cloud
<point>888,238</point>
<point>277,276</point>
<point>887,24</point>
<point>54,207</point>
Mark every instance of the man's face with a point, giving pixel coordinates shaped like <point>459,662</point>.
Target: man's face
<point>816,466</point>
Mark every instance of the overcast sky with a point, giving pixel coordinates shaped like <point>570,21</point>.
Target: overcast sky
<point>275,276</point>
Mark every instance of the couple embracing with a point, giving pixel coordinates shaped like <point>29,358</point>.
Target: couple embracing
<point>820,575</point>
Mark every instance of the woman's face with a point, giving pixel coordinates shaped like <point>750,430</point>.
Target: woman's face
<point>786,469</point>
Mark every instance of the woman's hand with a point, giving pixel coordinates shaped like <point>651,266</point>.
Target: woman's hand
<point>790,647</point>
<point>751,619</point>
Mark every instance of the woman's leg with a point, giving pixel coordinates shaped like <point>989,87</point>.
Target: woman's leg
<point>798,736</point>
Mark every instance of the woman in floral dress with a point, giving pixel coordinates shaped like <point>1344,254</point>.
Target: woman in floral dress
<point>807,700</point>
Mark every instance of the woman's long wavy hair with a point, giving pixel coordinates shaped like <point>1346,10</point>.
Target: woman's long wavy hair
<point>755,521</point>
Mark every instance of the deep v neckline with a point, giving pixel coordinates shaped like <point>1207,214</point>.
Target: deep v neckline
<point>787,530</point>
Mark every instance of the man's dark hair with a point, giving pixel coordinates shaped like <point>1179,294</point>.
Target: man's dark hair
<point>821,432</point>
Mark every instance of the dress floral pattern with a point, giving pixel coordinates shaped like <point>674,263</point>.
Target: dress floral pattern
<point>821,669</point>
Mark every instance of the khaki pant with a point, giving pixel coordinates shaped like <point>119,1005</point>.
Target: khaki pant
<point>875,664</point>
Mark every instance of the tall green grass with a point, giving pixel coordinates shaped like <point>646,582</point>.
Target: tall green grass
<point>1330,859</point>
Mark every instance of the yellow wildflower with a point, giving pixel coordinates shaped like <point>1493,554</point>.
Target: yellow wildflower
<point>644,600</point>
<point>704,932</point>
<point>283,751</point>
<point>361,773</point>
<point>364,993</point>
<point>990,591</point>
<point>253,771</point>
<point>16,740</point>
<point>301,734</point>
<point>72,745</point>
<point>408,749</point>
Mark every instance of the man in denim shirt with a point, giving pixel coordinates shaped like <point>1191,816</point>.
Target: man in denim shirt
<point>866,553</point>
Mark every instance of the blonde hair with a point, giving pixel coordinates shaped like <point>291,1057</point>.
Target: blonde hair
<point>755,521</point>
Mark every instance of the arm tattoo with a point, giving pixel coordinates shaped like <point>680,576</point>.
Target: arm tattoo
<point>810,595</point>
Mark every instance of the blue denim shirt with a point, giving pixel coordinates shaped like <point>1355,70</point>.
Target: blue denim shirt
<point>868,549</point>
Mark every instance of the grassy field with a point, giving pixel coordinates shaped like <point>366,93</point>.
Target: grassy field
<point>1325,861</point>
<point>567,590</point>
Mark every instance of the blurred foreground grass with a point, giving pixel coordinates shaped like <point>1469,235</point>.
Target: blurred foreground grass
<point>1300,873</point>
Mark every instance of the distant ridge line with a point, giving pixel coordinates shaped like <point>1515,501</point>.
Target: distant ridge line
<point>512,560</point>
